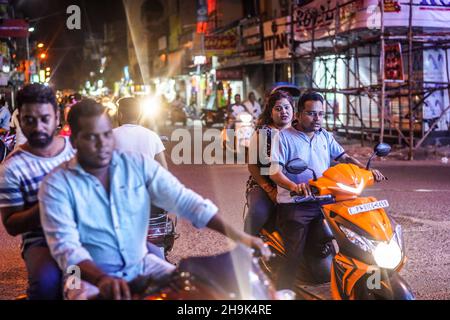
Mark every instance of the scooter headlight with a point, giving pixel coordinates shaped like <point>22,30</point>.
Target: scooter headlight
<point>388,255</point>
<point>362,242</point>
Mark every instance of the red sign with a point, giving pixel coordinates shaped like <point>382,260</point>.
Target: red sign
<point>14,28</point>
<point>229,74</point>
<point>393,63</point>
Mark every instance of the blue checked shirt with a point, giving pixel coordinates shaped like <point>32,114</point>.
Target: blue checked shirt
<point>81,222</point>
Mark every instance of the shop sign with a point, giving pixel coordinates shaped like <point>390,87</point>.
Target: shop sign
<point>229,74</point>
<point>277,39</point>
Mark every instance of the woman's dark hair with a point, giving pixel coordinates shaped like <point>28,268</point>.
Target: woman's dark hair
<point>84,109</point>
<point>36,93</point>
<point>266,116</point>
<point>308,96</point>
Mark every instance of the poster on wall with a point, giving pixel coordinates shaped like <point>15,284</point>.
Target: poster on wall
<point>277,39</point>
<point>393,63</point>
<point>434,72</point>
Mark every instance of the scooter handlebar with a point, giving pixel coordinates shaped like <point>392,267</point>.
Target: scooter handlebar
<point>313,198</point>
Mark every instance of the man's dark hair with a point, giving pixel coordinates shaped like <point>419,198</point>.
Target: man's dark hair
<point>130,108</point>
<point>84,109</point>
<point>308,96</point>
<point>36,93</point>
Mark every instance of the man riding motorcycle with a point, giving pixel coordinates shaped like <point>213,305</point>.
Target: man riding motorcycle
<point>307,140</point>
<point>106,237</point>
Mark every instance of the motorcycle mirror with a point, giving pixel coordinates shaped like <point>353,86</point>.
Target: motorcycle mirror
<point>382,149</point>
<point>296,166</point>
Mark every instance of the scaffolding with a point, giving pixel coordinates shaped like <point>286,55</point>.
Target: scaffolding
<point>348,67</point>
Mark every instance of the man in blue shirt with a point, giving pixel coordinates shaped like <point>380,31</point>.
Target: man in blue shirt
<point>94,209</point>
<point>317,147</point>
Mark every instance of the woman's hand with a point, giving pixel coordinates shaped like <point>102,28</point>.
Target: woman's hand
<point>271,191</point>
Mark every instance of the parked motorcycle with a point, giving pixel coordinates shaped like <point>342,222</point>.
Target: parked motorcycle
<point>233,275</point>
<point>211,117</point>
<point>357,250</point>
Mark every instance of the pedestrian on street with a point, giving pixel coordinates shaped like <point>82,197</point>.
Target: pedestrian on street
<point>5,115</point>
<point>106,235</point>
<point>237,107</point>
<point>252,106</point>
<point>20,179</point>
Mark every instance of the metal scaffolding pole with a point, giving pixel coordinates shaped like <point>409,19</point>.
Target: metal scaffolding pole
<point>382,74</point>
<point>410,83</point>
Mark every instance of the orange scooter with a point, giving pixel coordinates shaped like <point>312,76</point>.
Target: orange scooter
<point>361,249</point>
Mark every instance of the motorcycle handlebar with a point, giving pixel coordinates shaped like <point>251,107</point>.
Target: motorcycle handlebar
<point>312,198</point>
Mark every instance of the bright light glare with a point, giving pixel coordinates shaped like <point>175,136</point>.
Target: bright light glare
<point>150,107</point>
<point>388,255</point>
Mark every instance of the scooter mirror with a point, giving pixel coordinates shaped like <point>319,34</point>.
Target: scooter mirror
<point>382,149</point>
<point>296,166</point>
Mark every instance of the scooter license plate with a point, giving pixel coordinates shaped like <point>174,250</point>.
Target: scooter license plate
<point>368,207</point>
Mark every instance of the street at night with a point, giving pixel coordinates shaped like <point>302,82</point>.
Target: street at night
<point>224,150</point>
<point>418,194</point>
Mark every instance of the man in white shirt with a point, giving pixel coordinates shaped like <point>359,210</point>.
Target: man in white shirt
<point>131,136</point>
<point>237,107</point>
<point>252,105</point>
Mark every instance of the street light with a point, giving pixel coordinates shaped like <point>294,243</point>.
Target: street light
<point>30,29</point>
<point>40,45</point>
<point>43,55</point>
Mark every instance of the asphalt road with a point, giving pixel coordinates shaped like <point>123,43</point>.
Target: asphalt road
<point>418,192</point>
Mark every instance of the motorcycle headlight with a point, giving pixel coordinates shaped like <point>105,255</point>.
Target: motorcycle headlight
<point>362,242</point>
<point>386,255</point>
<point>245,117</point>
